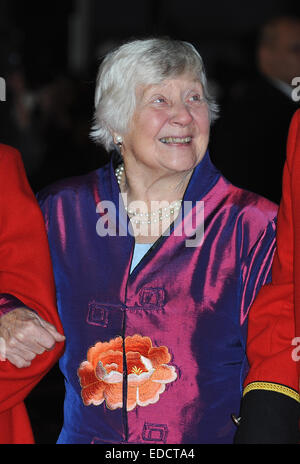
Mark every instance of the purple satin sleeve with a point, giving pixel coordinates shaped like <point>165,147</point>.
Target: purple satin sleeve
<point>8,303</point>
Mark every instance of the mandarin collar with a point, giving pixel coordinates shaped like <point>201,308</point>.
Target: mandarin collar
<point>204,177</point>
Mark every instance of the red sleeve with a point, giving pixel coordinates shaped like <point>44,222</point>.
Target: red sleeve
<point>25,273</point>
<point>271,329</point>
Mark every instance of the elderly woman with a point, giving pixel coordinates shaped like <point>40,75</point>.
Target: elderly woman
<point>157,259</point>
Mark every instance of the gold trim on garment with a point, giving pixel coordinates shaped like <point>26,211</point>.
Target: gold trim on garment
<point>276,387</point>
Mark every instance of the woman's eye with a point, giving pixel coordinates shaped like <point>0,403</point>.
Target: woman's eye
<point>196,98</point>
<point>159,100</point>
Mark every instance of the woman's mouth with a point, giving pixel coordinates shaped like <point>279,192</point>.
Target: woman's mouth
<point>176,140</point>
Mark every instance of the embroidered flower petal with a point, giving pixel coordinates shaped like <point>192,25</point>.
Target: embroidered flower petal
<point>159,356</point>
<point>115,344</point>
<point>138,343</point>
<point>86,374</point>
<point>100,371</point>
<point>113,377</point>
<point>149,392</point>
<point>113,395</point>
<point>93,394</point>
<point>110,377</point>
<point>134,362</point>
<point>111,367</point>
<point>111,357</point>
<point>92,391</point>
<point>131,397</point>
<point>137,379</point>
<point>164,374</point>
<point>147,363</point>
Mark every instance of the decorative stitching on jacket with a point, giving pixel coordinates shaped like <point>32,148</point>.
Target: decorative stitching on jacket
<point>101,375</point>
<point>276,387</point>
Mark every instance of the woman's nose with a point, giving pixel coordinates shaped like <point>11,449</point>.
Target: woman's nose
<point>181,115</point>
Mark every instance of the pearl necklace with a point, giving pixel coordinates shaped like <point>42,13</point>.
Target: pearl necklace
<point>119,173</point>
<point>153,216</point>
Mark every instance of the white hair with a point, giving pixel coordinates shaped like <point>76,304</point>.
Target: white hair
<point>140,62</point>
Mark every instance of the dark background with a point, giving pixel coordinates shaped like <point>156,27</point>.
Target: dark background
<point>49,53</point>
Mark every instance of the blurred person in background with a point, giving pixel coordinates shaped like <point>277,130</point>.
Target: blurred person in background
<point>48,122</point>
<point>248,142</point>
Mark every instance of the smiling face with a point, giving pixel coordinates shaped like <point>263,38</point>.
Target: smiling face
<point>169,130</point>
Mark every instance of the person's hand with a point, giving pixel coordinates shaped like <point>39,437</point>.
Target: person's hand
<point>24,335</point>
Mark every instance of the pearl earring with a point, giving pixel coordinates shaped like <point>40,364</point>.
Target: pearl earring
<point>119,140</point>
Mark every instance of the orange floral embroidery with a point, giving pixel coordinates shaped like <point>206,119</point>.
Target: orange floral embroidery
<point>101,376</point>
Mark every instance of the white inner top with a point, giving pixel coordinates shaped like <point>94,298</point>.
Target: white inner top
<point>140,249</point>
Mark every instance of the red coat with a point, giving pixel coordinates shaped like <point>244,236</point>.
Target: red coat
<point>26,273</point>
<point>272,317</point>
<point>270,407</point>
